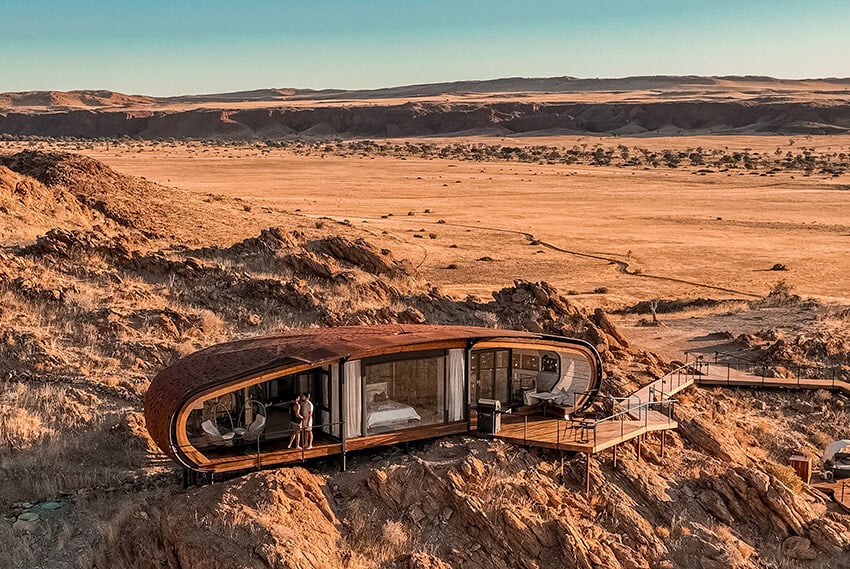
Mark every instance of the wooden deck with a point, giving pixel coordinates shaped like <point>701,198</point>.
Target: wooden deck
<point>585,436</point>
<point>326,446</point>
<point>839,491</point>
<point>596,436</point>
<point>573,436</point>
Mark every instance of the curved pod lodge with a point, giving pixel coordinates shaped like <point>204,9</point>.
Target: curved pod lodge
<point>229,407</point>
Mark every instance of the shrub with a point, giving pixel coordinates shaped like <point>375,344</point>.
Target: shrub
<point>781,288</point>
<point>785,474</point>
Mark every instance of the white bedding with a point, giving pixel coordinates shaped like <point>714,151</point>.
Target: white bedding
<point>390,414</point>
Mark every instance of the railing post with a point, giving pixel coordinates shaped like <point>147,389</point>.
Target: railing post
<point>258,450</point>
<point>343,464</point>
<point>525,430</point>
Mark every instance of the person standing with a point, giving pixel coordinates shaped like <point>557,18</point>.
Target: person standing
<point>295,421</point>
<point>307,421</point>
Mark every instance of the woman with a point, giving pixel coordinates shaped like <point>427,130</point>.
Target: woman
<point>295,423</point>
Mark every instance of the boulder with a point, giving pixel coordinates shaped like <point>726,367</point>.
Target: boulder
<point>714,504</point>
<point>26,522</point>
<point>798,549</point>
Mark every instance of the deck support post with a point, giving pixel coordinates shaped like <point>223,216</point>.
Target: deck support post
<point>587,474</point>
<point>663,438</point>
<point>562,466</point>
<point>342,417</point>
<point>615,455</point>
<point>637,443</point>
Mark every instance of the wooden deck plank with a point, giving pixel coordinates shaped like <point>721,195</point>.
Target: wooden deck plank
<point>407,435</point>
<point>269,458</point>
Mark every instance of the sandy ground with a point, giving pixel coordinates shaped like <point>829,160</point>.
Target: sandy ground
<point>721,230</point>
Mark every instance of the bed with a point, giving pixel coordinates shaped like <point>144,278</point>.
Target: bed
<point>388,415</point>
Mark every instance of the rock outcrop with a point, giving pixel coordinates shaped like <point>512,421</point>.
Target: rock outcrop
<point>279,519</point>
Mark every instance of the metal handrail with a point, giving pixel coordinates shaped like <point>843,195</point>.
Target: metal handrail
<point>837,377</point>
<point>644,405</point>
<point>796,369</point>
<point>279,432</point>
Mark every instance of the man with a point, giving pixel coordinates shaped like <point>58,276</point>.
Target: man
<point>306,421</point>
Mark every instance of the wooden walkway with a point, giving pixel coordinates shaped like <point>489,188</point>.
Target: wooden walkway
<point>641,412</point>
<point>633,416</point>
<point>719,374</point>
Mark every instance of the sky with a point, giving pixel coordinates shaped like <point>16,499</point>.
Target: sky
<point>172,47</point>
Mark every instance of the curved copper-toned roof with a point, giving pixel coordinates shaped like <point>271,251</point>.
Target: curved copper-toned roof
<point>224,363</point>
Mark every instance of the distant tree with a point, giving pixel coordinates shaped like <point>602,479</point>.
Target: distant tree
<point>653,308</point>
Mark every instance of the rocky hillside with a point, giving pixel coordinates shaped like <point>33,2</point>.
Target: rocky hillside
<point>105,279</point>
<point>428,119</point>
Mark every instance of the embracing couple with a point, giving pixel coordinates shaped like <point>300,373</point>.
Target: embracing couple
<point>302,422</point>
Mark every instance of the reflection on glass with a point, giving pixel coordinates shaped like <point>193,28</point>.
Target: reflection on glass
<point>259,416</point>
<point>405,393</point>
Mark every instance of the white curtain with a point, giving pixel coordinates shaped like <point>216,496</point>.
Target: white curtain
<point>457,372</point>
<point>575,376</point>
<point>334,399</point>
<point>353,399</point>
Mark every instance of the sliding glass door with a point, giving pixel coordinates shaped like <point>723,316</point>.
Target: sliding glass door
<point>489,375</point>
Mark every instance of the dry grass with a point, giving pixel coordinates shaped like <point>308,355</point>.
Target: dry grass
<point>17,550</point>
<point>372,543</point>
<point>128,539</point>
<point>30,412</point>
<point>61,438</point>
<point>785,474</point>
<point>739,552</point>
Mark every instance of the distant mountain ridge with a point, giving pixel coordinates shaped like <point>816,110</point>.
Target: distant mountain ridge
<point>565,84</point>
<point>643,105</point>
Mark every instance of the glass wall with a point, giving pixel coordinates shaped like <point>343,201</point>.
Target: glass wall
<point>404,391</point>
<point>524,376</point>
<point>238,421</point>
